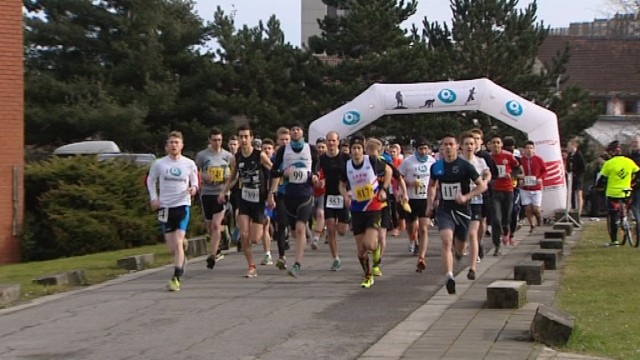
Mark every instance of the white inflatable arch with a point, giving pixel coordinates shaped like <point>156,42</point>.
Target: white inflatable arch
<point>540,124</point>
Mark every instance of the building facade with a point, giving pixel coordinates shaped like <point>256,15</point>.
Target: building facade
<point>312,11</point>
<point>12,135</point>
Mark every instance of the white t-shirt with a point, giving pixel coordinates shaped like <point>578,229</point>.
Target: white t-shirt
<point>414,170</point>
<point>176,176</point>
<point>481,166</point>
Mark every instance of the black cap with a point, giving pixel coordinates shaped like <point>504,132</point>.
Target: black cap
<point>420,141</point>
<point>356,139</point>
<point>296,124</point>
<point>615,144</point>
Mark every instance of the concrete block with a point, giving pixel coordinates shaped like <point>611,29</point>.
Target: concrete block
<point>573,213</point>
<point>506,294</point>
<point>531,272</point>
<point>72,277</point>
<point>552,244</point>
<point>196,246</point>
<point>136,262</point>
<point>551,257</point>
<point>551,326</point>
<point>567,227</point>
<point>555,234</point>
<point>9,293</point>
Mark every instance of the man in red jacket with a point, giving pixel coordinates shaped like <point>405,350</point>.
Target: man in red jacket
<point>532,177</point>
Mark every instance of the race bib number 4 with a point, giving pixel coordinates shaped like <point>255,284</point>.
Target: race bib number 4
<point>335,202</point>
<point>163,215</point>
<point>449,191</point>
<point>364,192</point>
<point>216,173</point>
<point>250,195</point>
<point>530,181</point>
<point>502,170</point>
<point>299,176</point>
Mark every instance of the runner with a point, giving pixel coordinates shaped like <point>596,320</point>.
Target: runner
<point>373,150</point>
<point>336,214</point>
<point>476,204</point>
<point>533,176</point>
<point>234,195</point>
<point>502,194</point>
<point>178,181</point>
<point>250,171</point>
<point>280,213</point>
<point>416,172</point>
<point>451,177</point>
<point>318,199</point>
<point>486,196</point>
<point>267,148</point>
<point>214,164</point>
<point>296,163</point>
<point>368,178</point>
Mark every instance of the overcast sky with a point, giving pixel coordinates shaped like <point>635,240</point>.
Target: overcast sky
<point>555,13</point>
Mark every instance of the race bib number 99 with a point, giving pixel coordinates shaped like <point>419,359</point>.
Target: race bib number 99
<point>364,192</point>
<point>299,176</point>
<point>449,191</point>
<point>250,195</point>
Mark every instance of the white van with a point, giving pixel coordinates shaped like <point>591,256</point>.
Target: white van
<point>87,148</point>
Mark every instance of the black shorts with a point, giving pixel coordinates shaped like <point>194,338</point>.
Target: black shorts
<point>211,206</point>
<point>342,215</point>
<point>476,211</point>
<point>298,209</point>
<point>418,209</point>
<point>455,220</point>
<point>385,218</point>
<point>486,207</point>
<point>255,211</point>
<point>234,197</point>
<point>177,218</point>
<point>363,220</point>
<point>576,183</point>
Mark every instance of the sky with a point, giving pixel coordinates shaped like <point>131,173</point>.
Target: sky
<point>554,13</point>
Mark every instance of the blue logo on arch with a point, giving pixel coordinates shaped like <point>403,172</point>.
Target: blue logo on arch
<point>447,96</point>
<point>514,108</point>
<point>351,118</point>
<point>174,171</point>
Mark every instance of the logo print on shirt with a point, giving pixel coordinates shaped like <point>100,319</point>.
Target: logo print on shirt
<point>174,171</point>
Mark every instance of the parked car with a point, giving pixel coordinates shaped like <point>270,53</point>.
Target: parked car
<point>138,159</point>
<point>87,148</point>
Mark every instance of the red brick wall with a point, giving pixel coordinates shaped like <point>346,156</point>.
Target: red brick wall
<point>12,130</point>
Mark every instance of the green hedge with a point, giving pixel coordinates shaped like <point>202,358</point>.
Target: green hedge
<point>76,206</point>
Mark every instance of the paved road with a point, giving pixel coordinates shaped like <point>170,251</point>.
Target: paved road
<point>221,315</point>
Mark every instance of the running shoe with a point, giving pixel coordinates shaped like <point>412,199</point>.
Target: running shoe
<point>416,250</point>
<point>478,260</point>
<point>314,244</point>
<point>367,282</point>
<point>375,271</point>
<point>451,286</point>
<point>336,266</point>
<point>219,255</point>
<point>614,243</point>
<point>412,246</point>
<point>512,242</point>
<point>174,284</point>
<point>497,251</point>
<point>267,260</point>
<point>421,265</point>
<point>294,271</point>
<point>281,264</point>
<point>211,262</point>
<point>471,275</point>
<point>253,272</point>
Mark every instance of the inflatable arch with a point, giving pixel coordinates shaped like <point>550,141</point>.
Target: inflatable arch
<point>540,124</point>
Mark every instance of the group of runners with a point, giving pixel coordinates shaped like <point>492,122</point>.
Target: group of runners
<point>357,183</point>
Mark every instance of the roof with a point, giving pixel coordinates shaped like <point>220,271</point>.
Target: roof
<point>600,65</point>
<point>605,131</point>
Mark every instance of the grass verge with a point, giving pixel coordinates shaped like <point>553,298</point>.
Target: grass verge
<point>97,267</point>
<point>599,287</point>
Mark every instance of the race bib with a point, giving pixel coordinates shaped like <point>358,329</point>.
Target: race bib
<point>163,215</point>
<point>530,181</point>
<point>250,195</point>
<point>449,191</point>
<point>299,176</point>
<point>364,192</point>
<point>420,189</point>
<point>216,173</point>
<point>335,202</point>
<point>502,170</point>
<point>476,199</point>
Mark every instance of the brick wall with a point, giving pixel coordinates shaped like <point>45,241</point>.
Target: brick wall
<point>12,133</point>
